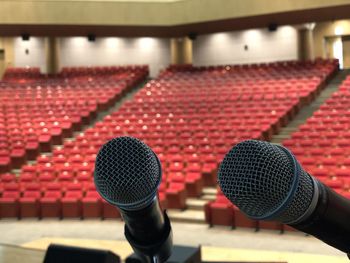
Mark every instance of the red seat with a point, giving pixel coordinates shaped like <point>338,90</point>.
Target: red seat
<point>84,176</point>
<point>18,157</point>
<point>46,177</point>
<point>29,203</point>
<point>71,204</point>
<point>92,206</point>
<point>8,178</point>
<point>241,220</point>
<point>194,184</point>
<point>109,211</point>
<point>27,177</point>
<point>222,212</point>
<point>5,164</point>
<point>176,195</point>
<point>50,203</point>
<point>9,203</point>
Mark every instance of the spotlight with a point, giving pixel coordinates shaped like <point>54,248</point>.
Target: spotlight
<point>272,27</point>
<point>192,36</point>
<point>25,37</point>
<point>91,37</point>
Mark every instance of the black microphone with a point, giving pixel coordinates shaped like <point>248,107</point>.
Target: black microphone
<point>266,182</point>
<point>127,175</point>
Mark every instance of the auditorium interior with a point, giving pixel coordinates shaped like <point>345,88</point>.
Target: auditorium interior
<point>190,79</point>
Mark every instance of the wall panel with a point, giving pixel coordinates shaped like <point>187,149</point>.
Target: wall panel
<point>78,51</point>
<point>248,46</point>
<point>30,53</point>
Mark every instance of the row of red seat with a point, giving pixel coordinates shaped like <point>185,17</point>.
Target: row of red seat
<point>288,70</point>
<point>24,74</point>
<point>322,144</point>
<point>221,211</point>
<point>28,75</point>
<point>53,199</point>
<point>189,128</point>
<point>182,123</point>
<point>35,115</point>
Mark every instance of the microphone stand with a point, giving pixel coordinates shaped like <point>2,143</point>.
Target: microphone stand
<point>157,252</point>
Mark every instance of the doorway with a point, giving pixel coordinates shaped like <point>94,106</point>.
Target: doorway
<point>346,51</point>
<point>334,49</point>
<point>2,62</point>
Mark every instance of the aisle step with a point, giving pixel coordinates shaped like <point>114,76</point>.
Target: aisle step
<point>186,216</point>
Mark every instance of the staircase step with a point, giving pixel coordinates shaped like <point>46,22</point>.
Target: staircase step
<point>208,197</point>
<point>186,216</point>
<point>209,191</point>
<point>196,204</point>
<point>308,110</point>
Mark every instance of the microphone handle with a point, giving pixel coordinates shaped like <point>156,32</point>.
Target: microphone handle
<point>146,224</point>
<point>330,221</point>
<point>148,231</point>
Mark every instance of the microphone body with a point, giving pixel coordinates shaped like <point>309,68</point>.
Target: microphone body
<point>148,231</point>
<point>330,220</point>
<point>267,183</point>
<point>127,175</point>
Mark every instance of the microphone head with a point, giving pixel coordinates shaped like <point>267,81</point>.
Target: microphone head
<point>127,173</point>
<point>266,182</point>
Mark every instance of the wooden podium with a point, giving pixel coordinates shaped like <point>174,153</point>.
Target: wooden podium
<point>34,252</point>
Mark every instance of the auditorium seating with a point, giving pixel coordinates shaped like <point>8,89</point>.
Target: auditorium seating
<point>41,112</point>
<point>221,211</point>
<point>190,116</point>
<point>322,144</point>
<point>22,75</point>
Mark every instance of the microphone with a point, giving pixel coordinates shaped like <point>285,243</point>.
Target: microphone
<point>127,175</point>
<point>266,182</point>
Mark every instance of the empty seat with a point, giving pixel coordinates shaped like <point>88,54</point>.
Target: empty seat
<point>71,204</point>
<point>50,204</point>
<point>92,205</point>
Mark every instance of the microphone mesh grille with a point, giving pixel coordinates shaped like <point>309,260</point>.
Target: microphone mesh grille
<point>258,176</point>
<point>301,200</point>
<point>127,171</point>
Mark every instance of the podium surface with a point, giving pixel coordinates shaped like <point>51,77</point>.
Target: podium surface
<point>34,252</point>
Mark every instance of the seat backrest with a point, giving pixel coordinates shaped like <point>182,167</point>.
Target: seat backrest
<point>220,198</point>
<point>11,187</point>
<point>92,194</point>
<point>90,187</point>
<point>8,178</point>
<point>74,187</point>
<point>46,177</point>
<point>11,194</point>
<point>74,194</point>
<point>54,186</point>
<point>53,194</point>
<point>32,187</point>
<point>32,194</point>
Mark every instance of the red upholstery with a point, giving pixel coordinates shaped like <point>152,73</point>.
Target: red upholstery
<point>241,220</point>
<point>50,204</point>
<point>176,195</point>
<point>92,205</point>
<point>322,143</point>
<point>109,211</point>
<point>9,201</point>
<point>190,116</point>
<point>40,112</point>
<point>220,212</point>
<point>29,203</point>
<point>71,204</point>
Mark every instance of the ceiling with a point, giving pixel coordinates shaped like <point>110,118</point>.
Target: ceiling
<point>162,18</point>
